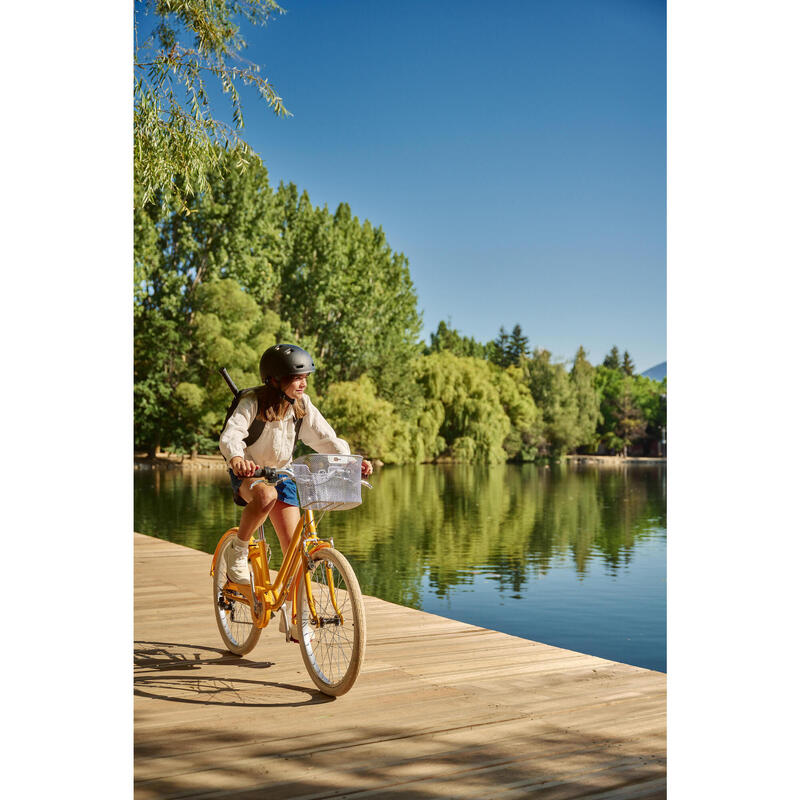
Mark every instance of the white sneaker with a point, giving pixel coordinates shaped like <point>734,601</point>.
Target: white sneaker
<point>284,614</point>
<point>237,567</point>
<point>297,634</point>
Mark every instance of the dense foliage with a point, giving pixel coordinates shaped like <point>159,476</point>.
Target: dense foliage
<point>249,266</point>
<point>177,45</point>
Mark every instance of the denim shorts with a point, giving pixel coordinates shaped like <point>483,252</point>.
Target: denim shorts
<point>287,491</point>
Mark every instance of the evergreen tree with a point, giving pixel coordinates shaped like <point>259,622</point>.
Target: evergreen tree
<point>627,364</point>
<point>446,338</point>
<point>612,359</point>
<point>517,346</point>
<point>501,352</point>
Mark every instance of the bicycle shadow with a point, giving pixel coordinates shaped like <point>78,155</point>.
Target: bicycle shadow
<point>175,655</point>
<point>156,664</point>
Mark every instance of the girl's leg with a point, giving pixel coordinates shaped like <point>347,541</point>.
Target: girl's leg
<point>284,519</point>
<point>260,500</point>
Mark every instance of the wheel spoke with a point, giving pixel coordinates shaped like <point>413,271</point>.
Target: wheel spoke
<point>233,616</point>
<point>333,654</point>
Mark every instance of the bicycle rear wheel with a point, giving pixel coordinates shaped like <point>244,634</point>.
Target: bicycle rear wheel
<point>233,617</point>
<point>333,647</point>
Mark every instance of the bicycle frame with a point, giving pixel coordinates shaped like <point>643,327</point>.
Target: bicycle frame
<point>265,597</point>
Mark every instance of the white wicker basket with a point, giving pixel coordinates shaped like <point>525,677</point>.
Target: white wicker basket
<point>328,482</point>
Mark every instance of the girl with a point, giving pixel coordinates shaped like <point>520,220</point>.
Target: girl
<point>279,403</point>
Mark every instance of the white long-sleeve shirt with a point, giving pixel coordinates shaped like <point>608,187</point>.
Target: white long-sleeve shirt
<point>274,447</point>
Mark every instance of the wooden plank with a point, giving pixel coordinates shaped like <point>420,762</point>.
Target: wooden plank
<point>441,708</point>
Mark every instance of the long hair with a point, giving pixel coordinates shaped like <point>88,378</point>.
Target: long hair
<point>273,405</point>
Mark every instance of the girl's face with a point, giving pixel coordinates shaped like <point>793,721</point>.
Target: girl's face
<point>295,386</point>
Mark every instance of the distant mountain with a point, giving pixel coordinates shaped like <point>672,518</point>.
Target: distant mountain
<point>657,373</point>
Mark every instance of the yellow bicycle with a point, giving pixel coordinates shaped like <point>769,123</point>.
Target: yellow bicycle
<point>327,608</point>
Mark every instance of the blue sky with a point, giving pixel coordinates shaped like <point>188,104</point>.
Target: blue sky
<point>514,151</point>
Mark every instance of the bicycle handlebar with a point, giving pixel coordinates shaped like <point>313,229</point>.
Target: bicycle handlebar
<point>274,477</point>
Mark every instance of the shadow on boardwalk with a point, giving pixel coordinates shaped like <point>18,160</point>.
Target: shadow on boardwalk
<point>160,672</point>
<point>361,760</point>
<point>441,709</point>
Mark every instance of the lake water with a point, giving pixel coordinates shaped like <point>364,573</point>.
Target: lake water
<point>574,556</point>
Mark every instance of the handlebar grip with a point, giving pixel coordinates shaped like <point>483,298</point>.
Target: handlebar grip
<point>266,472</point>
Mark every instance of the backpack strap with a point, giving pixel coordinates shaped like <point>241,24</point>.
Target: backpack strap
<point>298,422</point>
<point>254,431</point>
<point>257,425</point>
<point>257,428</point>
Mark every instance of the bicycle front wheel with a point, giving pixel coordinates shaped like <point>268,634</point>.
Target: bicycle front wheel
<point>234,620</point>
<point>331,623</point>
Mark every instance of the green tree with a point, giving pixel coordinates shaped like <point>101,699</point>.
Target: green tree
<point>609,386</point>
<point>612,359</point>
<point>500,350</point>
<point>227,238</point>
<point>588,399</point>
<point>462,395</point>
<point>630,423</point>
<point>369,424</point>
<point>341,283</point>
<point>555,396</point>
<point>446,338</point>
<point>526,437</point>
<point>517,346</point>
<point>622,402</point>
<point>232,231</point>
<point>177,43</point>
<point>651,397</point>
<point>508,349</point>
<point>628,366</point>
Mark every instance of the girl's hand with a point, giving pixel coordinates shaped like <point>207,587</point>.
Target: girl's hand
<point>242,468</point>
<point>366,468</point>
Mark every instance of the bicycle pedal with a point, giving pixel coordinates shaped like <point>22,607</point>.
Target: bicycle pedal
<point>224,604</point>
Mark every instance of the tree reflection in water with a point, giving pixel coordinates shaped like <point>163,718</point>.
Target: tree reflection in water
<point>512,523</point>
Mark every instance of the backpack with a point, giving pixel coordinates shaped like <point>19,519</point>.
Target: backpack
<point>257,425</point>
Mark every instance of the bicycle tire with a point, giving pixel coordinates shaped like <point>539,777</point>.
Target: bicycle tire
<point>333,652</point>
<point>234,619</point>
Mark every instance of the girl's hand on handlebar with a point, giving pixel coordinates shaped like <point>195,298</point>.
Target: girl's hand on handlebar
<point>242,468</point>
<point>366,468</point>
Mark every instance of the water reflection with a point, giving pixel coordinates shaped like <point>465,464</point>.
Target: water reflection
<point>440,531</point>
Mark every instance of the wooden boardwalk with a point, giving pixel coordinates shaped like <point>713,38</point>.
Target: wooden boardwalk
<point>441,709</point>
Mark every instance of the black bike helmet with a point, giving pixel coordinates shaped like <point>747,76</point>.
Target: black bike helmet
<point>281,360</point>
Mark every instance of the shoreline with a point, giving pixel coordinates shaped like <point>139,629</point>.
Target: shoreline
<point>612,461</point>
<point>203,462</point>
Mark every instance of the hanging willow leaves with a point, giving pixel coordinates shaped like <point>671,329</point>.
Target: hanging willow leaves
<point>179,44</point>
